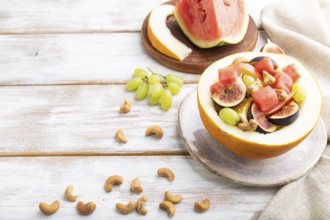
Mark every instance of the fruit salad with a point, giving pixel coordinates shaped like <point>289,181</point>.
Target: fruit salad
<point>258,95</point>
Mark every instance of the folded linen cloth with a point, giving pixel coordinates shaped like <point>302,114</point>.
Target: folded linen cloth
<point>302,29</point>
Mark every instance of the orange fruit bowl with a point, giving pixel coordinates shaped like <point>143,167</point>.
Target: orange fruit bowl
<point>255,145</point>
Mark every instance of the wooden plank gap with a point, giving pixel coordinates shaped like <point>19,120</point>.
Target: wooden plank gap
<point>92,83</point>
<point>94,154</point>
<point>70,32</point>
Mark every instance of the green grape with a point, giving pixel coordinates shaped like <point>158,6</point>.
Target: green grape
<point>173,78</point>
<point>300,92</point>
<point>156,90</point>
<point>153,100</point>
<point>166,99</point>
<point>133,84</point>
<point>142,91</point>
<point>229,116</point>
<point>174,88</point>
<point>248,80</point>
<point>139,72</point>
<point>154,78</point>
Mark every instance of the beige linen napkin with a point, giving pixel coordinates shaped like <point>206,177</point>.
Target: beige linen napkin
<point>302,29</point>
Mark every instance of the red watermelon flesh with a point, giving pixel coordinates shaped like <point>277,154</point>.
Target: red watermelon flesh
<point>209,23</point>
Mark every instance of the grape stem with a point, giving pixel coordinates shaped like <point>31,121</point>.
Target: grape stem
<point>153,72</point>
<point>163,82</point>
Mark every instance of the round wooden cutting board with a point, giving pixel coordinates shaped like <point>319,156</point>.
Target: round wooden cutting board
<point>199,59</point>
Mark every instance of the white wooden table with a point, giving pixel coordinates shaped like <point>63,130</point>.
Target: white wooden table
<point>63,66</point>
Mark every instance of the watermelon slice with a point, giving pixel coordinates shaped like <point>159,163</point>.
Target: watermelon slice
<point>209,23</point>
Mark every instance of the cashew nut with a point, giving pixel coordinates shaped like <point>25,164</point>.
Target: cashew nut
<point>136,186</point>
<point>165,172</point>
<point>168,207</point>
<point>68,194</point>
<point>202,206</point>
<point>282,94</point>
<point>140,205</point>
<point>120,136</point>
<point>172,198</point>
<point>250,126</point>
<point>126,208</point>
<point>85,209</point>
<point>255,86</point>
<point>154,130</point>
<point>268,79</point>
<point>126,107</point>
<point>111,181</point>
<point>49,209</point>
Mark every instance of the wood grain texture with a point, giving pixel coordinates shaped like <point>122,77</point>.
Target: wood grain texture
<point>84,16</point>
<point>77,59</point>
<point>77,16</point>
<point>44,179</point>
<point>38,120</point>
<point>63,65</point>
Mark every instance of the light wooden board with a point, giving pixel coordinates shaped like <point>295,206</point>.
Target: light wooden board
<point>84,16</point>
<point>39,120</point>
<point>77,59</point>
<point>37,16</point>
<point>45,47</point>
<point>44,179</point>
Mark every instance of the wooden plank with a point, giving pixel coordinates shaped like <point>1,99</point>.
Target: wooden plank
<point>27,181</point>
<point>77,59</point>
<point>56,120</point>
<point>84,16</point>
<point>37,16</point>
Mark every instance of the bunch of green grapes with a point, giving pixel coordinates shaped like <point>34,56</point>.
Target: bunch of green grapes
<point>157,88</point>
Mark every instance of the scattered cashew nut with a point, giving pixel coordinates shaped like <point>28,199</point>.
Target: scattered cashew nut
<point>47,209</point>
<point>111,181</point>
<point>168,207</point>
<point>250,126</point>
<point>140,205</point>
<point>126,208</point>
<point>154,130</point>
<point>68,194</point>
<point>165,172</point>
<point>136,186</point>
<point>172,198</point>
<point>120,136</point>
<point>126,107</point>
<point>202,206</point>
<point>85,208</point>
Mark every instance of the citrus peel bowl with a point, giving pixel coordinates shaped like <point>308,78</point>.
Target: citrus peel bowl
<point>255,145</point>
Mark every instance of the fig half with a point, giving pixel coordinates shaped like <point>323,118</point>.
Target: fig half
<point>271,47</point>
<point>264,126</point>
<point>280,106</point>
<point>231,95</point>
<point>286,116</point>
